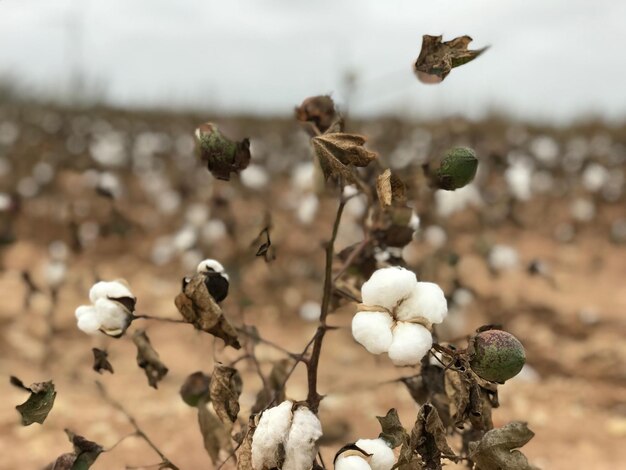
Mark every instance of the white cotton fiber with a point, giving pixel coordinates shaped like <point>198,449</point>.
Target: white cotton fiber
<point>411,342</point>
<point>427,301</point>
<point>387,286</point>
<point>373,331</point>
<point>382,456</point>
<point>87,319</point>
<point>111,315</point>
<point>271,431</point>
<point>210,265</point>
<point>301,446</point>
<point>351,462</point>
<point>503,257</point>
<point>111,290</point>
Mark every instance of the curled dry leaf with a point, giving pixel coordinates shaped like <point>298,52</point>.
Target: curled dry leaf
<point>428,438</point>
<point>214,433</point>
<point>318,110</point>
<point>244,454</point>
<point>391,190</point>
<point>85,454</point>
<point>496,450</point>
<point>148,358</point>
<point>225,388</point>
<point>392,430</point>
<point>39,403</point>
<point>195,389</point>
<point>197,307</point>
<point>338,154</point>
<point>221,155</point>
<point>101,361</point>
<point>438,58</point>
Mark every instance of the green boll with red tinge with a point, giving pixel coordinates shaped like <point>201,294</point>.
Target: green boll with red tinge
<point>457,169</point>
<point>496,355</point>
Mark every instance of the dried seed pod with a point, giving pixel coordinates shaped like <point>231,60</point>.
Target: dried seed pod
<point>221,155</point>
<point>455,169</point>
<point>196,388</point>
<point>496,355</point>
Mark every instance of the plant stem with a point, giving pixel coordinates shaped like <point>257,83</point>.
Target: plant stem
<point>166,463</point>
<point>150,317</point>
<point>314,397</point>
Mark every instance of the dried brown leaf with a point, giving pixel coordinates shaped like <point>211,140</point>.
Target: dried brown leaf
<point>438,58</point>
<point>148,359</point>
<point>319,110</point>
<point>225,388</point>
<point>338,154</point>
<point>428,438</point>
<point>391,190</point>
<point>496,450</point>
<point>214,434</point>
<point>101,361</point>
<point>195,389</point>
<point>392,430</point>
<point>244,454</point>
<point>457,388</point>
<point>221,155</point>
<point>197,307</point>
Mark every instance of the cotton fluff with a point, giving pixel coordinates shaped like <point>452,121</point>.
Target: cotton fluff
<point>411,342</point>
<point>211,265</point>
<point>388,286</point>
<point>107,313</point>
<point>301,445</point>
<point>503,257</point>
<point>271,432</point>
<point>519,178</point>
<point>449,202</point>
<point>373,331</point>
<point>382,456</point>
<point>427,300</point>
<point>351,462</point>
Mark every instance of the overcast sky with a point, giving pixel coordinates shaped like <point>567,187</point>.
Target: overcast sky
<point>549,59</point>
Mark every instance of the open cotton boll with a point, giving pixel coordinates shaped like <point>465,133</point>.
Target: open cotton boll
<point>503,257</point>
<point>89,323</point>
<point>271,431</point>
<point>209,265</point>
<point>382,456</point>
<point>519,178</point>
<point>301,445</point>
<point>351,462</point>
<point>387,286</point>
<point>111,290</point>
<point>411,342</point>
<point>112,316</point>
<point>427,301</point>
<point>373,331</point>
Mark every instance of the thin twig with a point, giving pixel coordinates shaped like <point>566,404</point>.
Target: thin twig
<point>150,317</point>
<point>118,406</point>
<point>314,397</point>
<point>351,257</point>
<point>260,339</point>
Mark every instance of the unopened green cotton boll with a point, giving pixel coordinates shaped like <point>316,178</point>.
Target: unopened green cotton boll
<point>457,169</point>
<point>496,355</point>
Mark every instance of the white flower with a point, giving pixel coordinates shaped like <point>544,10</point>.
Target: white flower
<point>296,431</point>
<point>393,314</point>
<point>503,257</point>
<point>382,456</point>
<point>411,342</point>
<point>111,309</point>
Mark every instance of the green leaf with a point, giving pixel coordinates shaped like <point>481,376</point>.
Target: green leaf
<point>39,403</point>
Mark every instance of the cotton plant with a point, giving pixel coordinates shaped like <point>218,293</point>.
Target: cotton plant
<point>110,311</point>
<point>286,437</point>
<point>397,314</point>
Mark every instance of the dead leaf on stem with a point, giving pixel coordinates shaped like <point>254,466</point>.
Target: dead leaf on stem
<point>391,190</point>
<point>197,307</point>
<point>214,434</point>
<point>496,450</point>
<point>225,388</point>
<point>39,403</point>
<point>148,359</point>
<point>438,58</point>
<point>338,154</point>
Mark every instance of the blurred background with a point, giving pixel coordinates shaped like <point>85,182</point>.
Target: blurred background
<point>550,60</point>
<point>99,180</point>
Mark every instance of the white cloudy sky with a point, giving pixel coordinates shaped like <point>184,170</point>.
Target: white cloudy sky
<point>550,59</point>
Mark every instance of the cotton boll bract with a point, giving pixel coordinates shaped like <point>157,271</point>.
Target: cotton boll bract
<point>301,445</point>
<point>426,301</point>
<point>382,456</point>
<point>373,331</point>
<point>411,342</point>
<point>387,286</point>
<point>215,278</point>
<point>271,431</point>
